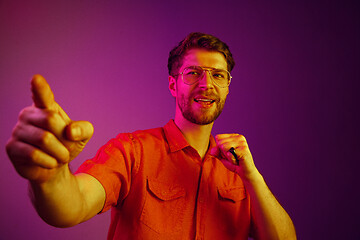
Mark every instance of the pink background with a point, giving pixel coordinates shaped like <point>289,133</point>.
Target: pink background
<point>293,95</point>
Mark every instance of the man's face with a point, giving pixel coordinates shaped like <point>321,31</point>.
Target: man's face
<point>202,102</point>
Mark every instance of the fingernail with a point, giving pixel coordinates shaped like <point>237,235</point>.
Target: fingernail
<point>75,132</point>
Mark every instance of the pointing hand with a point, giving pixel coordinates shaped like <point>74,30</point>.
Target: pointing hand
<point>45,139</point>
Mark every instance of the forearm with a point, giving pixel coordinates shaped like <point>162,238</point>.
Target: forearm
<point>59,201</point>
<point>270,220</point>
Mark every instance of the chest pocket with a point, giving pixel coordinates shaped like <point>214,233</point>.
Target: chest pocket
<point>164,206</point>
<point>233,194</point>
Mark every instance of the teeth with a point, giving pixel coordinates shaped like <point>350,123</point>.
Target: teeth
<point>204,100</point>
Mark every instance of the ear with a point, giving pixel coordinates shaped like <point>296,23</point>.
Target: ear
<point>172,86</point>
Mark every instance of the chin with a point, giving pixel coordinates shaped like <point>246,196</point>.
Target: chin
<point>201,120</point>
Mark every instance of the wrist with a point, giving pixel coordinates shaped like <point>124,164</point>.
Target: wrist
<point>253,177</point>
<point>53,177</point>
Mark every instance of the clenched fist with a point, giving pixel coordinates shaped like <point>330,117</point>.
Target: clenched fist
<point>240,161</point>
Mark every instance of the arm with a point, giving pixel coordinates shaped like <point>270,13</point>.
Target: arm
<point>270,220</point>
<point>42,144</point>
<point>68,199</point>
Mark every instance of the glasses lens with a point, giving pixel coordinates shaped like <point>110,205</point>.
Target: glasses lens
<point>220,77</point>
<point>192,74</point>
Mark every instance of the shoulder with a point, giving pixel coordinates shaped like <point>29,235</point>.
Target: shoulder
<point>153,134</point>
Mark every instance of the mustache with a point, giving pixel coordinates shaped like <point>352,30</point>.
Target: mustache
<point>209,94</point>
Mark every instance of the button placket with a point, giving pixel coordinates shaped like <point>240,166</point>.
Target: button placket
<point>202,200</point>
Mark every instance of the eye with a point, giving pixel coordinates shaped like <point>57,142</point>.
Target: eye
<point>219,75</point>
<point>192,72</point>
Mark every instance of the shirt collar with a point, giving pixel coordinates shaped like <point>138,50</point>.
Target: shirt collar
<point>176,139</point>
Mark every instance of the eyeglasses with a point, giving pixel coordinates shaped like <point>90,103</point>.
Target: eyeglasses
<point>193,74</point>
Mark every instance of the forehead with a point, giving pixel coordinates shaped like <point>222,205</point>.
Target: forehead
<point>204,58</point>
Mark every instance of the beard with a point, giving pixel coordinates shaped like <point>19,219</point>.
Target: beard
<point>204,116</point>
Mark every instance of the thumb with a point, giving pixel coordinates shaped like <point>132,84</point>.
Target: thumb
<point>79,131</point>
<point>215,151</point>
<point>42,95</point>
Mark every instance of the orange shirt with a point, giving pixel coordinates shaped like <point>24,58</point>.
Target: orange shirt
<point>159,188</point>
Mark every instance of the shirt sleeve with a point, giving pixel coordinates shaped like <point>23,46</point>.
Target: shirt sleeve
<point>113,166</point>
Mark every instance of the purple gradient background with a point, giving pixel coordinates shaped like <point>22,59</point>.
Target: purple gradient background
<point>293,95</point>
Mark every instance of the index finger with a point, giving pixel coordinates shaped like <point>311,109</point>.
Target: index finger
<point>225,136</point>
<point>42,95</point>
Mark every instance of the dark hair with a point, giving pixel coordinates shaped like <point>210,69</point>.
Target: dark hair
<point>202,41</point>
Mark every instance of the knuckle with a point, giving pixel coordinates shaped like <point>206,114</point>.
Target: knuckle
<point>24,114</point>
<point>46,138</point>
<point>34,155</point>
<point>65,156</point>
<point>241,137</point>
<point>52,119</point>
<point>18,129</point>
<point>9,146</point>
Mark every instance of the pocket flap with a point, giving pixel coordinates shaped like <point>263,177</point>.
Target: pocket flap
<point>165,191</point>
<point>234,194</point>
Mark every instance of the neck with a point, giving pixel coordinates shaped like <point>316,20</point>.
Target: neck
<point>197,135</point>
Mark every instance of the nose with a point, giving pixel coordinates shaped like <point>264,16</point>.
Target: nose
<point>205,80</point>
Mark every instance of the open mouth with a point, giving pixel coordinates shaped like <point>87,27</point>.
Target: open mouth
<point>204,100</point>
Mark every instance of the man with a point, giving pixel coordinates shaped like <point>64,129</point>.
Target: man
<point>174,182</point>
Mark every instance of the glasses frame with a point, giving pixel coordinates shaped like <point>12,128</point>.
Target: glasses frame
<point>202,75</point>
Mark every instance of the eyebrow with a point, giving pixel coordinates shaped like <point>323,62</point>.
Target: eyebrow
<point>212,68</point>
